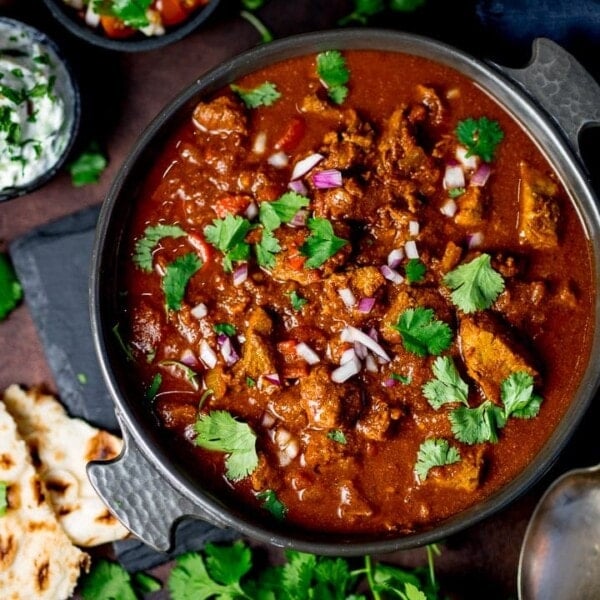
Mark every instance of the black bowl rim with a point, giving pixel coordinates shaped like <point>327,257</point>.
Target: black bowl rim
<point>531,117</point>
<point>16,192</point>
<point>66,16</point>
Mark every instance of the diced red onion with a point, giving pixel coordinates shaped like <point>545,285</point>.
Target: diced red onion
<point>347,297</point>
<point>240,274</point>
<point>411,249</point>
<point>352,334</point>
<point>347,355</point>
<point>282,437</point>
<point>413,228</point>
<point>372,333</point>
<point>298,186</point>
<point>475,240</point>
<point>307,353</point>
<point>449,208</point>
<point>302,167</point>
<point>92,18</point>
<point>252,211</point>
<point>228,352</point>
<point>278,160</point>
<point>273,378</point>
<point>454,177</point>
<point>299,219</point>
<point>370,364</point>
<point>268,420</point>
<point>365,305</point>
<point>389,382</point>
<point>390,274</point>
<point>241,338</point>
<point>199,311</point>
<point>347,370</point>
<point>207,355</point>
<point>469,163</point>
<point>480,177</point>
<point>260,143</point>
<point>189,358</point>
<point>329,178</point>
<point>360,350</point>
<point>395,258</point>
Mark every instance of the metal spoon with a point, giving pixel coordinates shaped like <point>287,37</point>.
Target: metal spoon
<point>560,555</point>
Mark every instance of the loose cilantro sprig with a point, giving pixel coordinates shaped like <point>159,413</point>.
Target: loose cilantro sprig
<point>225,328</point>
<point>415,270</point>
<point>434,453</point>
<point>282,210</point>
<point>263,95</point>
<point>516,392</point>
<point>11,291</point>
<point>297,301</point>
<point>177,275</point>
<point>363,10</point>
<point>475,284</point>
<point>447,385</point>
<point>271,503</point>
<point>227,235</point>
<point>333,72</point>
<point>88,166</point>
<point>220,432</point>
<point>477,425</point>
<point>422,333</point>
<point>144,247</point>
<point>267,249</point>
<point>107,581</point>
<point>337,435</point>
<point>131,12</point>
<point>321,244</point>
<point>3,498</point>
<point>265,33</point>
<point>480,136</point>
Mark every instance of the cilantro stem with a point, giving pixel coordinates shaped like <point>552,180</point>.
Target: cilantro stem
<point>265,35</point>
<point>369,572</point>
<point>432,549</point>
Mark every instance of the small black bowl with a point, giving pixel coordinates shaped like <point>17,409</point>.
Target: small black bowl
<point>66,87</point>
<point>77,26</point>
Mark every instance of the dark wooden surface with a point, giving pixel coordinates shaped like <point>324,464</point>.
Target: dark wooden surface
<point>122,92</point>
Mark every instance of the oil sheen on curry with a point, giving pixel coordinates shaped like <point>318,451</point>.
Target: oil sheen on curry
<point>357,298</point>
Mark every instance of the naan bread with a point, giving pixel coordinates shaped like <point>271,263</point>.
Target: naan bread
<point>37,559</point>
<point>63,446</point>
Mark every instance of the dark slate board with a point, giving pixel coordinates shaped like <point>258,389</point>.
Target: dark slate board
<point>52,263</point>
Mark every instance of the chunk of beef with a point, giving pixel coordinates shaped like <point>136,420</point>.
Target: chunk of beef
<point>429,98</point>
<point>175,414</point>
<point>471,207</point>
<point>349,147</point>
<point>147,323</point>
<point>517,294</point>
<point>451,257</point>
<point>328,404</point>
<point>462,476</point>
<point>539,210</point>
<point>258,356</point>
<point>392,227</point>
<point>221,116</point>
<point>340,202</point>
<point>375,422</point>
<point>491,353</point>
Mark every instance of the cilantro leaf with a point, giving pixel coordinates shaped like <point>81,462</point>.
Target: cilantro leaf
<point>333,579</point>
<point>434,453</point>
<point>421,333</point>
<point>406,5</point>
<point>415,270</point>
<point>321,244</point>
<point>3,497</point>
<point>126,348</point>
<point>263,95</point>
<point>253,4</point>
<point>297,301</point>
<point>397,581</point>
<point>266,249</point>
<point>11,291</point>
<point>219,431</point>
<point>297,574</point>
<point>475,284</point>
<point>404,379</point>
<point>88,166</point>
<point>228,564</point>
<point>456,192</point>
<point>477,425</point>
<point>225,328</point>
<point>107,581</point>
<point>131,12</point>
<point>153,387</point>
<point>227,235</point>
<point>337,435</point>
<point>333,72</point>
<point>517,396</point>
<point>481,137</point>
<point>145,584</point>
<point>177,275</point>
<point>363,9</point>
<point>282,210</point>
<point>271,503</point>
<point>142,253</point>
<point>447,385</point>
<point>265,34</point>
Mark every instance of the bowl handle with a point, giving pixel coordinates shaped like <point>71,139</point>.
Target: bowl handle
<point>140,497</point>
<point>562,86</point>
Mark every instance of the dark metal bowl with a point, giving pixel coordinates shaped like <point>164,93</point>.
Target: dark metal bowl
<point>138,43</point>
<point>67,88</point>
<point>146,487</point>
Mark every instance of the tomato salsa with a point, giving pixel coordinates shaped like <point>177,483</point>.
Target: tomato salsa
<point>356,296</point>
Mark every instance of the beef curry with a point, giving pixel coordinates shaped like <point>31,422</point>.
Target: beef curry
<point>356,296</point>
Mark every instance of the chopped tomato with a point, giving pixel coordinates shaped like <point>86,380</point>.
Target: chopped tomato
<point>296,262</point>
<point>115,28</point>
<point>205,250</point>
<point>173,12</point>
<point>287,347</point>
<point>292,135</point>
<point>231,205</point>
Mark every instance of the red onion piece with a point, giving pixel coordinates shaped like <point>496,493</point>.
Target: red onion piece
<point>475,240</point>
<point>454,177</point>
<point>347,355</point>
<point>199,311</point>
<point>251,211</point>
<point>329,178</point>
<point>299,219</point>
<point>352,334</point>
<point>395,257</point>
<point>411,249</point>
<point>347,370</point>
<point>370,364</point>
<point>449,208</point>
<point>480,177</point>
<point>228,352</point>
<point>390,274</point>
<point>273,378</point>
<point>413,228</point>
<point>189,358</point>
<point>347,297</point>
<point>307,353</point>
<point>278,160</point>
<point>298,186</point>
<point>302,167</point>
<point>365,305</point>
<point>470,163</point>
<point>389,382</point>
<point>260,143</point>
<point>240,274</point>
<point>372,333</point>
<point>207,355</point>
<point>360,350</point>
